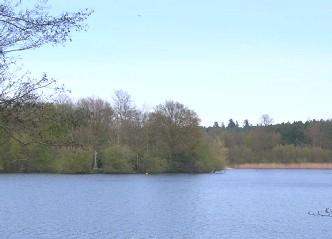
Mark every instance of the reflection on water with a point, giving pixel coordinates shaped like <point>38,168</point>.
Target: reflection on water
<point>236,204</point>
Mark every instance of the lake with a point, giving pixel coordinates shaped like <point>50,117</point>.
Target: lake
<point>237,204</point>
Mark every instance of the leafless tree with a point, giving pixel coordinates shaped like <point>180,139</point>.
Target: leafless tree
<point>127,118</point>
<point>266,120</point>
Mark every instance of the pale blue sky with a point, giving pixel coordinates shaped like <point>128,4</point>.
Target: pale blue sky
<point>235,59</point>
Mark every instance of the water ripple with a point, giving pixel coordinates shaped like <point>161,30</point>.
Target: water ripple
<point>237,204</point>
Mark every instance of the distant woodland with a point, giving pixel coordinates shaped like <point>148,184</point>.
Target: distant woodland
<point>286,143</point>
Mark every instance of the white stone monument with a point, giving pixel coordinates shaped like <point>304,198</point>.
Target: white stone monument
<point>95,165</point>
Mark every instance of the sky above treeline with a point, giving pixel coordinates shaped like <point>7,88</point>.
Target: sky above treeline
<point>223,59</point>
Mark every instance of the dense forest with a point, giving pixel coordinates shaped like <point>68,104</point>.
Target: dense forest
<point>297,142</point>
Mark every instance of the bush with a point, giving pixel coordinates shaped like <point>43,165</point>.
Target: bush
<point>296,154</point>
<point>117,160</point>
<point>240,155</point>
<point>73,161</point>
<point>16,157</point>
<point>153,165</point>
<point>212,157</point>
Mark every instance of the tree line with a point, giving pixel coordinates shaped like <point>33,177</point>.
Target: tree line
<point>62,136</point>
<point>297,142</point>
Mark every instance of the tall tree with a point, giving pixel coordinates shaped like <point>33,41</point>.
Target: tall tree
<point>231,124</point>
<point>99,116</point>
<point>177,135</point>
<point>295,133</point>
<point>127,117</point>
<point>246,124</point>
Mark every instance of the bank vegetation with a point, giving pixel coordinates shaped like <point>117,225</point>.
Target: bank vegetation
<point>287,145</point>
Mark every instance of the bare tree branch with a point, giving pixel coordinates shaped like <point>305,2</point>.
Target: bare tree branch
<point>23,104</point>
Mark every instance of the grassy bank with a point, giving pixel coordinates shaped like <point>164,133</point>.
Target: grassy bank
<point>284,166</point>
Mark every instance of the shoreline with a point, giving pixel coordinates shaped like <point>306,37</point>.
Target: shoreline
<point>282,166</point>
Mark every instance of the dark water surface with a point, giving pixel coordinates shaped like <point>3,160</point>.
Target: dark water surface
<point>236,204</point>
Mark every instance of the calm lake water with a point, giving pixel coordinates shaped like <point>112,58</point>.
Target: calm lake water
<point>236,204</point>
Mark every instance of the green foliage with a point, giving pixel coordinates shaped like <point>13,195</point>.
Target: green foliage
<point>150,164</point>
<point>168,139</point>
<point>16,157</point>
<point>284,143</point>
<point>72,161</point>
<point>231,124</point>
<point>117,160</point>
<point>12,156</point>
<point>292,154</point>
<point>39,159</point>
<point>175,136</point>
<point>212,157</point>
<point>240,155</point>
<point>246,124</point>
<point>296,133</point>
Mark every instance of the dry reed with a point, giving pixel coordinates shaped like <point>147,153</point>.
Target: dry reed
<point>284,166</point>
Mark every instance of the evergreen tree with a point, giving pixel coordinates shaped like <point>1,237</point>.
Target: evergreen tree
<point>246,124</point>
<point>231,124</point>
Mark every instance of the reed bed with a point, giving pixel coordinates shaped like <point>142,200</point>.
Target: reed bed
<point>283,166</point>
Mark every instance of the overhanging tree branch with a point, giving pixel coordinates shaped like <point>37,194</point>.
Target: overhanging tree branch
<point>22,109</point>
<point>32,28</point>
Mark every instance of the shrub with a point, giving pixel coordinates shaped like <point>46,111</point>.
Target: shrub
<point>73,161</point>
<point>117,160</point>
<point>153,165</point>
